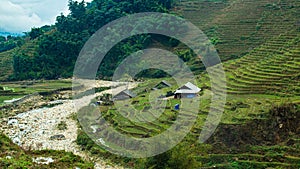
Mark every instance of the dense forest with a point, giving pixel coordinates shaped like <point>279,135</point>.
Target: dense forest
<point>56,48</point>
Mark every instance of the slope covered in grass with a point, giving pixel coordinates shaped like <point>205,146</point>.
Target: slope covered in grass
<point>6,64</point>
<point>272,68</point>
<point>236,26</point>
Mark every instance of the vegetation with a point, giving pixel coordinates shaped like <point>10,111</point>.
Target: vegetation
<point>244,138</point>
<point>43,87</point>
<point>258,42</point>
<point>53,50</point>
<point>10,42</point>
<point>12,156</point>
<point>62,125</point>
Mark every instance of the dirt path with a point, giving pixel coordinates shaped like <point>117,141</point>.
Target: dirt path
<point>37,129</point>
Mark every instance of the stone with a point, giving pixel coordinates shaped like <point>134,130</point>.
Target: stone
<point>43,160</point>
<point>17,141</point>
<point>12,122</point>
<point>58,137</point>
<point>22,127</point>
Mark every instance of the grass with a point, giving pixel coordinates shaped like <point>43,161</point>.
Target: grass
<point>239,109</point>
<point>23,159</point>
<point>29,87</point>
<point>266,70</point>
<point>264,46</point>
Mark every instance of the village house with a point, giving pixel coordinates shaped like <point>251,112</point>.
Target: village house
<point>188,90</point>
<point>123,95</point>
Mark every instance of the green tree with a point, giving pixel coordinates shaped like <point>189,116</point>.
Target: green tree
<point>35,32</point>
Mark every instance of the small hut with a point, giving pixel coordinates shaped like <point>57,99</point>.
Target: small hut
<point>123,95</point>
<point>161,85</point>
<point>188,90</point>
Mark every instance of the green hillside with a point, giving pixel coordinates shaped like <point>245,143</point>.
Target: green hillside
<point>259,44</point>
<point>237,27</point>
<point>6,64</point>
<point>272,68</point>
<point>7,57</point>
<point>259,40</point>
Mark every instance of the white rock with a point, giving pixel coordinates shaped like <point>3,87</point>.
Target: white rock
<point>17,141</point>
<point>41,132</point>
<point>43,160</point>
<point>13,122</point>
<point>22,127</point>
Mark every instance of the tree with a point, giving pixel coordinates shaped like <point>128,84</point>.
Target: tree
<point>59,45</point>
<point>35,32</point>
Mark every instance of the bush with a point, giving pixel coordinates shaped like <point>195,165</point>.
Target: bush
<point>84,140</point>
<point>181,156</point>
<point>62,125</point>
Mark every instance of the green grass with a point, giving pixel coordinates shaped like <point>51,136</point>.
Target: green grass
<point>235,25</point>
<point>239,109</point>
<point>29,87</point>
<point>265,72</point>
<point>23,159</point>
<point>38,86</point>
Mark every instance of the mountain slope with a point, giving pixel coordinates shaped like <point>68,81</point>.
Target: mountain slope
<point>268,69</point>
<point>238,26</point>
<point>6,64</point>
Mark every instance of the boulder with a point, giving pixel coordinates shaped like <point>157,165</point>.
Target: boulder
<point>43,160</point>
<point>58,137</point>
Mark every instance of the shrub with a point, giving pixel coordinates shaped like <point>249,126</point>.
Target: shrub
<point>62,125</point>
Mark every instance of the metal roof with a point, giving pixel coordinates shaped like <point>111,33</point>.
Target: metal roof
<point>191,88</point>
<point>166,83</point>
<point>127,92</point>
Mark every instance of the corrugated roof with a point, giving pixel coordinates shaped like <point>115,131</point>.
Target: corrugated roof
<point>191,88</point>
<point>128,92</point>
<point>166,83</point>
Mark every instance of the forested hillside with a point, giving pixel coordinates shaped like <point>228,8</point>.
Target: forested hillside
<point>52,51</point>
<point>234,27</point>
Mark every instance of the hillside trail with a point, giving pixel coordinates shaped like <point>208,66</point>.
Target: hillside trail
<point>37,129</point>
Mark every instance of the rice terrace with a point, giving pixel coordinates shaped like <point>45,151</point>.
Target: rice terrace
<point>234,106</point>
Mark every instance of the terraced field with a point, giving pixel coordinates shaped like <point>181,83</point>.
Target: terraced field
<point>6,64</point>
<point>237,27</point>
<point>238,141</point>
<point>256,82</point>
<point>6,58</point>
<point>264,74</point>
<point>273,68</point>
<point>263,38</point>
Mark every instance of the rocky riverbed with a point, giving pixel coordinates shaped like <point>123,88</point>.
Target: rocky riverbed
<point>38,129</point>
